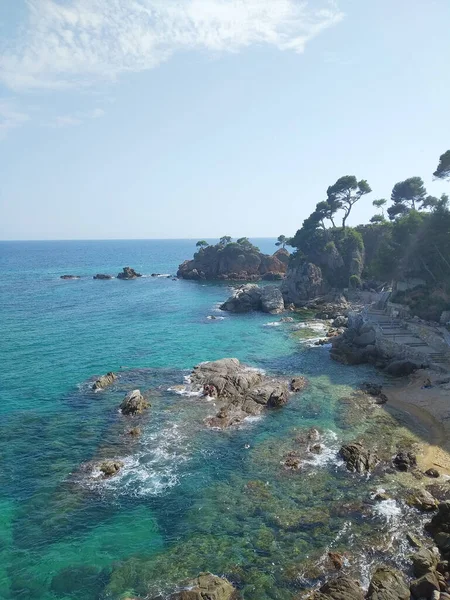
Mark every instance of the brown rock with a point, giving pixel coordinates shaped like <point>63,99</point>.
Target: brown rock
<point>134,403</point>
<point>109,468</point>
<point>206,587</point>
<point>104,381</point>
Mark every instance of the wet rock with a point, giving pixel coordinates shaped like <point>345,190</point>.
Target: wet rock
<point>104,381</point>
<point>424,560</point>
<point>317,449</point>
<point>358,458</point>
<point>365,339</point>
<point>298,384</point>
<point>128,273</point>
<point>340,321</point>
<point>401,368</point>
<point>109,468</point>
<point>414,542</point>
<point>272,300</point>
<point>70,277</point>
<point>388,584</point>
<point>424,586</point>
<point>206,587</point>
<point>432,473</point>
<point>341,588</point>
<point>422,500</point>
<point>287,319</point>
<point>404,461</point>
<point>336,559</point>
<point>292,461</point>
<point>134,403</point>
<point>135,432</point>
<point>102,276</point>
<point>374,390</point>
<point>244,299</point>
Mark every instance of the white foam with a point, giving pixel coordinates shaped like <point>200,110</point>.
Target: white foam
<point>313,325</point>
<point>211,318</point>
<point>330,445</point>
<point>273,324</point>
<point>388,510</point>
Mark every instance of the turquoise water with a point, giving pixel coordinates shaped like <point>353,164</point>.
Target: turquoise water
<point>188,499</point>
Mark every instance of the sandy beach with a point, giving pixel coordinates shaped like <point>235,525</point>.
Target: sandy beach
<point>430,408</point>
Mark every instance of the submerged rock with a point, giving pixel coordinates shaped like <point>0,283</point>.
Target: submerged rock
<point>102,276</point>
<point>128,273</point>
<point>104,381</point>
<point>134,403</point>
<point>357,458</point>
<point>70,277</point>
<point>388,584</point>
<point>206,587</point>
<point>242,390</point>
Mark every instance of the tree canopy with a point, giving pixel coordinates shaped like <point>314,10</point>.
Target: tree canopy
<point>282,240</point>
<point>443,170</point>
<point>345,193</point>
<point>407,195</point>
<point>202,244</point>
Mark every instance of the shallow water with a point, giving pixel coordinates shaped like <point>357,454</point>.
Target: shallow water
<point>188,499</point>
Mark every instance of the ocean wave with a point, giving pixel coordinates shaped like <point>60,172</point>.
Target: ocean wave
<point>273,324</point>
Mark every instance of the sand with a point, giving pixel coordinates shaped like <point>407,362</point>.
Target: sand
<point>431,409</point>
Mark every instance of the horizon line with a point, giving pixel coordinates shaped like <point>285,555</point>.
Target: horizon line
<point>130,239</point>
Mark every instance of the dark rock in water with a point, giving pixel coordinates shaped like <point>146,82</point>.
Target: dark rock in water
<point>424,586</point>
<point>128,273</point>
<point>432,473</point>
<point>401,368</point>
<point>135,432</point>
<point>272,300</point>
<point>109,468</point>
<point>298,384</point>
<point>104,381</point>
<point>292,461</point>
<point>316,449</point>
<point>134,403</point>
<point>336,559</point>
<point>375,390</point>
<point>357,458</point>
<point>424,560</point>
<point>70,277</point>
<point>341,588</point>
<point>439,527</point>
<point>388,584</point>
<point>422,500</point>
<point>244,299</point>
<point>102,276</point>
<point>206,587</point>
<point>244,391</point>
<point>404,461</point>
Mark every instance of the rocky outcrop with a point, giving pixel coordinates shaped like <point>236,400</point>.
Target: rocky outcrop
<point>357,345</point>
<point>109,468</point>
<point>358,458</point>
<point>134,403</point>
<point>70,277</point>
<point>239,390</point>
<point>401,368</point>
<point>440,528</point>
<point>388,584</point>
<point>251,297</point>
<point>128,273</point>
<point>404,461</point>
<point>104,381</point>
<point>206,587</point>
<point>234,261</point>
<point>341,588</point>
<point>303,282</point>
<point>102,276</point>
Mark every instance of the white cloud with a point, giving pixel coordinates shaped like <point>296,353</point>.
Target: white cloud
<point>78,42</point>
<point>76,119</point>
<point>10,117</point>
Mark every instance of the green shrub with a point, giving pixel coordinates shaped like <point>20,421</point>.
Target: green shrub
<point>355,282</point>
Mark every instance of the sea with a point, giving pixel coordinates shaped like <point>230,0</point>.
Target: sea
<point>188,499</point>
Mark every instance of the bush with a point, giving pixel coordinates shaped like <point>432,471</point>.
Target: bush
<point>355,282</point>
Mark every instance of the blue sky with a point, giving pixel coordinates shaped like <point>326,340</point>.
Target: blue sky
<point>202,118</point>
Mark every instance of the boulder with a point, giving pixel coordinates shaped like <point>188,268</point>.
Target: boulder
<point>102,276</point>
<point>404,461</point>
<point>241,390</point>
<point>135,432</point>
<point>104,381</point>
<point>303,282</point>
<point>244,299</point>
<point>340,321</point>
<point>206,587</point>
<point>422,500</point>
<point>434,473</point>
<point>388,584</point>
<point>109,468</point>
<point>365,339</point>
<point>341,588</point>
<point>298,384</point>
<point>128,273</point>
<point>358,458</point>
<point>134,403</point>
<point>424,560</point>
<point>401,368</point>
<point>272,300</point>
<point>424,586</point>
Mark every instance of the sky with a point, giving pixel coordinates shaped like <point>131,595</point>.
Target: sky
<point>202,118</point>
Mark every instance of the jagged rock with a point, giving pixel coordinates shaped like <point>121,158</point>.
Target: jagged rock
<point>401,368</point>
<point>244,299</point>
<point>424,560</point>
<point>357,458</point>
<point>272,300</point>
<point>242,390</point>
<point>404,461</point>
<point>206,587</point>
<point>292,461</point>
<point>434,473</point>
<point>102,276</point>
<point>135,432</point>
<point>134,403</point>
<point>298,384</point>
<point>109,468</point>
<point>388,584</point>
<point>303,283</point>
<point>336,559</point>
<point>424,586</point>
<point>422,500</point>
<point>365,339</point>
<point>104,381</point>
<point>128,273</point>
<point>340,321</point>
<point>70,277</point>
<point>341,588</point>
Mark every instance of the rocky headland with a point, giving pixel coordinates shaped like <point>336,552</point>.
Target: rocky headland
<point>238,260</point>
